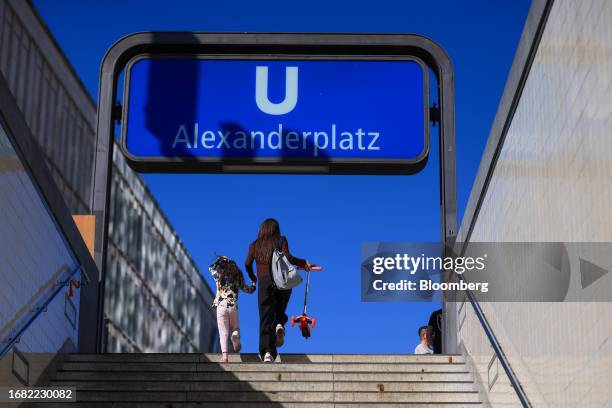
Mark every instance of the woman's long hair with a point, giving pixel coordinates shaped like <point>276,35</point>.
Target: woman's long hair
<point>269,232</point>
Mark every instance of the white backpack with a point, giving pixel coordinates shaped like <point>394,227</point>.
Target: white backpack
<point>284,274</point>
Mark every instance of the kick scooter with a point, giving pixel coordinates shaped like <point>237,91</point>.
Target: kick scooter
<point>306,323</point>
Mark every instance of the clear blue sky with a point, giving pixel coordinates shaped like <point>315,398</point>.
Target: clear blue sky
<point>327,216</point>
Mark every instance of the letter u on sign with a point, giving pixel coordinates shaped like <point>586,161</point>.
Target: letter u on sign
<point>261,91</point>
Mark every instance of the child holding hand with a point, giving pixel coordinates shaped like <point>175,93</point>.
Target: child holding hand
<point>230,281</point>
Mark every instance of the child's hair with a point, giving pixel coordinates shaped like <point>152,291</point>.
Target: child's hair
<point>222,267</point>
<point>221,263</point>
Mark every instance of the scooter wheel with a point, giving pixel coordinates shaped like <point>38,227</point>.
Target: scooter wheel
<point>292,321</point>
<point>314,322</point>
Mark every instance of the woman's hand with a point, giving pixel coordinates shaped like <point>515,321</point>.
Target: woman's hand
<point>308,266</point>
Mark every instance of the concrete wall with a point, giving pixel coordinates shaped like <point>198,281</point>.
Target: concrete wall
<point>551,183</point>
<point>154,288</point>
<point>33,257</point>
<point>61,115</point>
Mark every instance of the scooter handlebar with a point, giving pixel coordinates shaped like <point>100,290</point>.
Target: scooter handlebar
<point>314,268</point>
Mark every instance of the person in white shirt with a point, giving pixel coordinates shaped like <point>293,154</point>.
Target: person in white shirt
<point>425,346</point>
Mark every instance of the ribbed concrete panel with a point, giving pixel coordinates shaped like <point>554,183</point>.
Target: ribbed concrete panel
<point>146,258</point>
<point>551,183</point>
<point>33,257</point>
<point>62,128</point>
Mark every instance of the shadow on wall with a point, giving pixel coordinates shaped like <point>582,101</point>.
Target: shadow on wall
<point>162,86</point>
<point>254,139</point>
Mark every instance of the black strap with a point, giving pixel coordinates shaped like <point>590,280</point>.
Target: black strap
<point>278,243</point>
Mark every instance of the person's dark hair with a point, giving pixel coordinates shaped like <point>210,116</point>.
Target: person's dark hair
<point>269,232</point>
<point>421,330</point>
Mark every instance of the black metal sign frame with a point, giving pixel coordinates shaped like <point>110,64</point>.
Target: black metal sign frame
<point>276,165</point>
<point>420,47</point>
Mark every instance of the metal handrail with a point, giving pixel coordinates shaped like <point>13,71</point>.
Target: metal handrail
<point>38,310</point>
<point>499,352</point>
<point>530,41</point>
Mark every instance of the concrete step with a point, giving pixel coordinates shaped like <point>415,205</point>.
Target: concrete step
<point>262,367</point>
<point>259,376</point>
<point>298,381</point>
<point>282,396</point>
<point>254,358</point>
<point>262,404</point>
<point>270,386</point>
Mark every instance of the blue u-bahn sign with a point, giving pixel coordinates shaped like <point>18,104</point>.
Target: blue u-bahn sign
<point>256,114</point>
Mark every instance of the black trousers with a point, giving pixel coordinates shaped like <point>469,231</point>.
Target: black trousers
<point>272,306</point>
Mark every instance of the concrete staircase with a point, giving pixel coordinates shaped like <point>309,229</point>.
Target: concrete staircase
<point>192,380</point>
